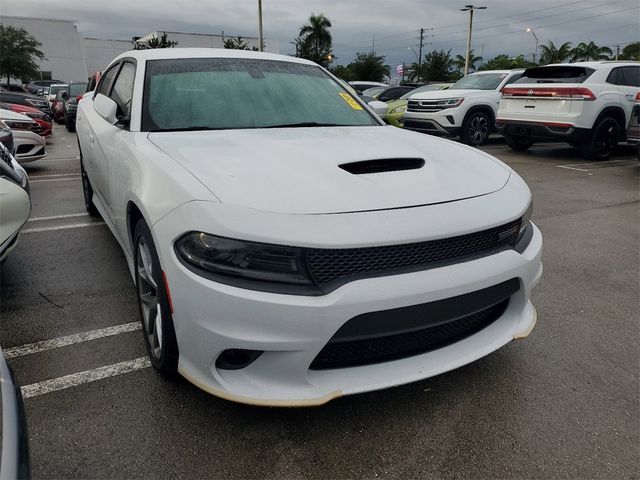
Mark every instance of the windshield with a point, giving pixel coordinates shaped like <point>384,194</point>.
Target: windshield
<point>372,92</point>
<point>480,81</point>
<point>424,88</point>
<point>57,88</point>
<point>77,89</point>
<point>231,93</point>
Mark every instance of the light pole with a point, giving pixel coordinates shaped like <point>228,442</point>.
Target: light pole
<point>529,29</point>
<point>260,37</point>
<point>470,9</point>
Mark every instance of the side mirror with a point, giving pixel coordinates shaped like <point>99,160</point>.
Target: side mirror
<point>380,108</point>
<point>106,108</point>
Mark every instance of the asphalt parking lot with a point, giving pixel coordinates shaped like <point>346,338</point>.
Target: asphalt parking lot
<point>561,403</point>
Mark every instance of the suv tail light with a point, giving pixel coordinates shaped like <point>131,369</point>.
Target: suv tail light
<point>564,93</point>
<point>638,97</point>
<point>78,98</point>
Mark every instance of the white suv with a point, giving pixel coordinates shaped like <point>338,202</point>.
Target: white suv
<point>467,109</point>
<point>586,104</point>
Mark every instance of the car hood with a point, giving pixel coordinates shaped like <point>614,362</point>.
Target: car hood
<point>297,170</point>
<point>449,93</point>
<point>11,115</point>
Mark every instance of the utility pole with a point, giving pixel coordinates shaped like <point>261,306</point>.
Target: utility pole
<point>530,30</point>
<point>261,38</point>
<point>617,51</point>
<point>373,43</point>
<point>420,52</point>
<point>470,9</point>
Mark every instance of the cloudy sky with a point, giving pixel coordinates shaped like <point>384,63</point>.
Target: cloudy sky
<point>394,23</point>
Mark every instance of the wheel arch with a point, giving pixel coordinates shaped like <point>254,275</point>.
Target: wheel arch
<point>484,109</point>
<point>134,214</point>
<point>616,113</point>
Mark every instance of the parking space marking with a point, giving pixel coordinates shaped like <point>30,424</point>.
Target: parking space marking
<point>88,376</point>
<point>64,179</point>
<point>56,217</point>
<point>52,343</point>
<point>55,175</point>
<point>62,227</point>
<point>573,166</point>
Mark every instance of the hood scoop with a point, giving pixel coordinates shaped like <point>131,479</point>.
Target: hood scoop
<point>382,165</point>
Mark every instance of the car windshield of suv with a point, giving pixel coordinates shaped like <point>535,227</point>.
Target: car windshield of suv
<point>424,88</point>
<point>231,93</point>
<point>76,89</point>
<point>57,88</point>
<point>479,81</point>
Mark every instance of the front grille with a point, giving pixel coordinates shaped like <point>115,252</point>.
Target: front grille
<point>420,125</point>
<point>344,354</point>
<point>329,267</point>
<point>424,106</point>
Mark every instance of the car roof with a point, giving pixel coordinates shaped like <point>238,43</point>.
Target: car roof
<point>177,53</point>
<point>499,71</point>
<point>593,64</point>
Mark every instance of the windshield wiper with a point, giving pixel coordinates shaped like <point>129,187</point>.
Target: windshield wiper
<point>193,128</point>
<point>306,124</point>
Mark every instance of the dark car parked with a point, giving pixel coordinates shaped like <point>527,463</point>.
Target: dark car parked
<point>25,99</point>
<point>70,104</point>
<point>34,86</point>
<point>394,93</point>
<point>14,452</point>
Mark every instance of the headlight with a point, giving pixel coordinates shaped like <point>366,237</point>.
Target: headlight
<point>400,109</point>
<point>450,102</point>
<point>526,230</point>
<point>257,262</point>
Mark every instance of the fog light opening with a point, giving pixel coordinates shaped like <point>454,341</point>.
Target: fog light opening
<point>236,359</point>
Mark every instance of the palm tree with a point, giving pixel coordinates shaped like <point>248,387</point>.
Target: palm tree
<point>459,62</point>
<point>590,51</point>
<point>315,40</point>
<point>552,54</point>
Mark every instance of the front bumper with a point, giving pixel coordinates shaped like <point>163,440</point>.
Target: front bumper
<point>210,317</point>
<point>446,122</point>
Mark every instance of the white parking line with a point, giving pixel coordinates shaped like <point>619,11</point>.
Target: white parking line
<point>56,217</point>
<point>75,379</point>
<point>44,345</point>
<point>56,175</point>
<point>573,166</point>
<point>65,179</point>
<point>62,227</point>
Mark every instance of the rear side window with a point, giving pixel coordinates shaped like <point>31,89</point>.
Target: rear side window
<point>559,74</point>
<point>626,76</point>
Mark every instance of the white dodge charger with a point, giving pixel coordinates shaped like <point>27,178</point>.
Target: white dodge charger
<point>288,247</point>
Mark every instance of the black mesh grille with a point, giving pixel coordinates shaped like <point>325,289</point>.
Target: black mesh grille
<point>337,265</point>
<point>343,354</point>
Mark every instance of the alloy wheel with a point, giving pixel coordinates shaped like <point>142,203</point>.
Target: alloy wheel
<point>478,129</point>
<point>149,298</point>
<point>606,138</point>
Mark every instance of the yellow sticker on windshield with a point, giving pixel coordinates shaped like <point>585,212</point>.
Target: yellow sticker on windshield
<point>350,101</point>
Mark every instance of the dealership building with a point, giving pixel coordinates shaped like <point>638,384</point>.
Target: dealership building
<point>70,56</point>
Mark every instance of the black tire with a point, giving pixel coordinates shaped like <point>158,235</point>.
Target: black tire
<point>518,143</point>
<point>162,349</point>
<point>87,191</point>
<point>475,129</point>
<point>604,137</point>
<point>71,125</point>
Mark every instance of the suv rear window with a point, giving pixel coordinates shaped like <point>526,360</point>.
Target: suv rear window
<point>559,74</point>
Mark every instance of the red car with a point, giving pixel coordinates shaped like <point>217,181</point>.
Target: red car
<point>36,115</point>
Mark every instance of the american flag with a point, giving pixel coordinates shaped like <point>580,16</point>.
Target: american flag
<point>400,69</point>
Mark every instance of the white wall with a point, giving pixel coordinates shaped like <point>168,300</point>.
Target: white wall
<point>98,53</point>
<point>61,45</point>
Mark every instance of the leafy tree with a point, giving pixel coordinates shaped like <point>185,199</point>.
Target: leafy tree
<point>369,66</point>
<point>344,72</point>
<point>314,41</point>
<point>237,43</point>
<point>630,52</point>
<point>553,54</point>
<point>155,42</point>
<point>590,51</point>
<point>505,62</point>
<point>436,66</point>
<point>459,62</point>
<point>19,51</point>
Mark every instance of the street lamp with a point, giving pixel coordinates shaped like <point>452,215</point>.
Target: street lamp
<point>470,9</point>
<point>529,29</point>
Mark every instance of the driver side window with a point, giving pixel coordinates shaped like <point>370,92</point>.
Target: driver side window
<point>122,90</point>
